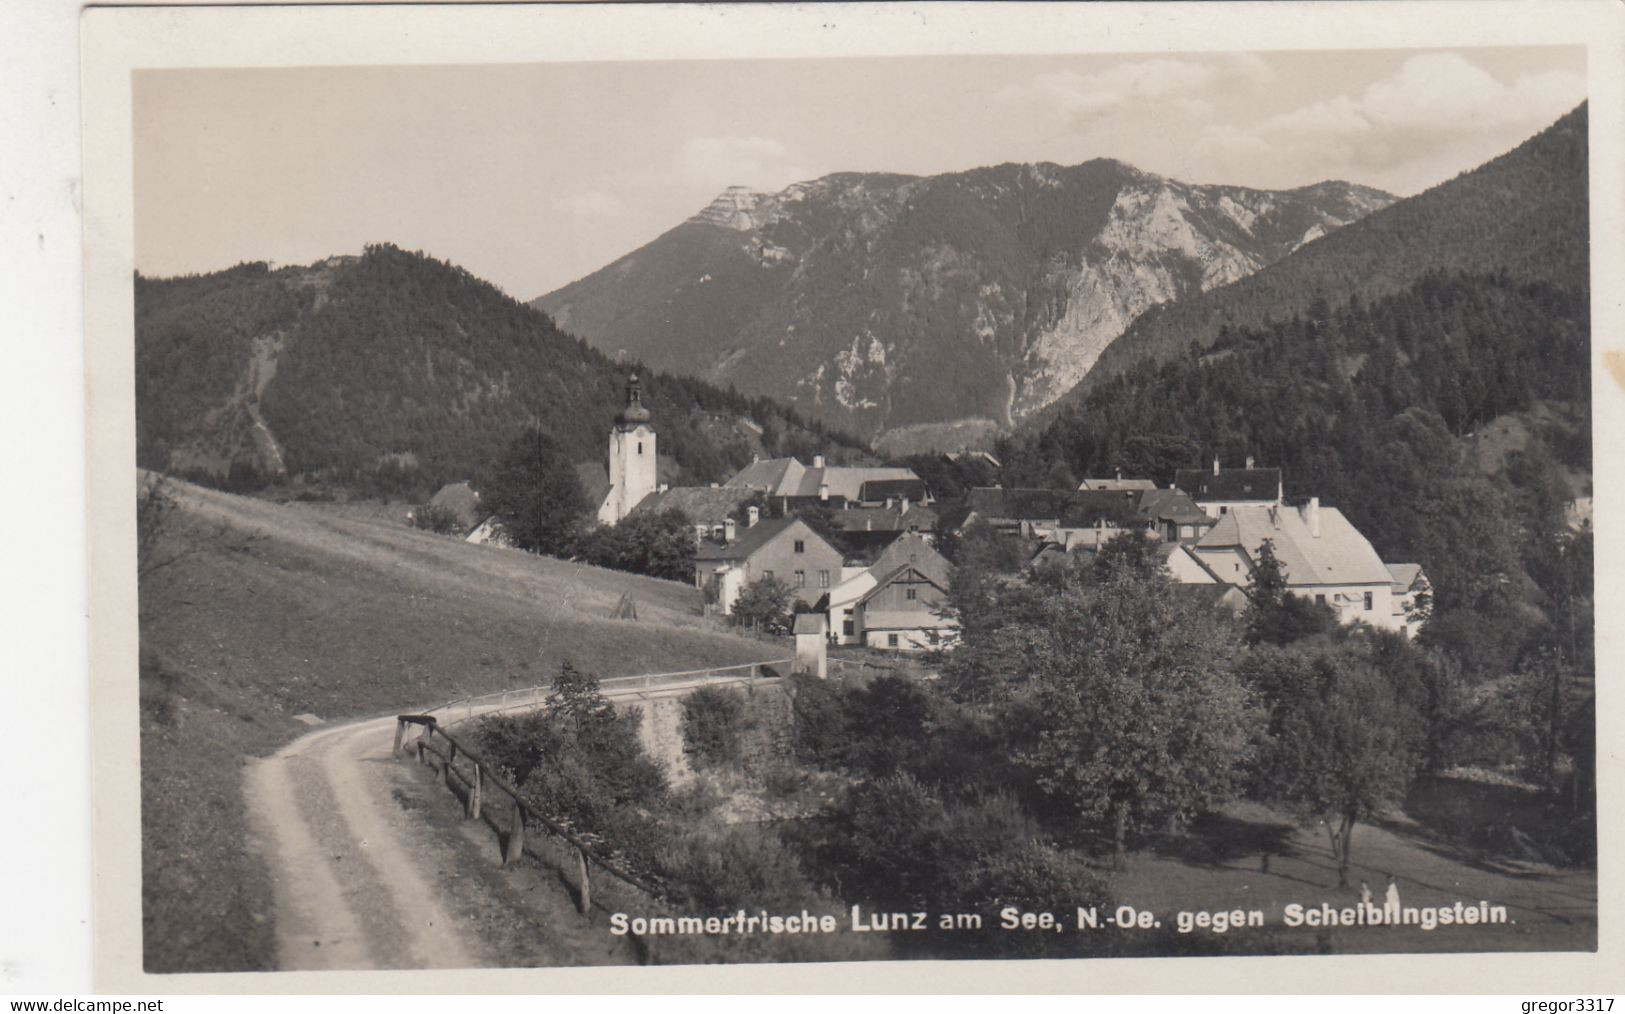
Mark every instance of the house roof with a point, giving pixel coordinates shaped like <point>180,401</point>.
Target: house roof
<point>912,548</point>
<point>1171,505</point>
<point>594,478</point>
<point>1086,508</point>
<point>770,476</point>
<point>1119,483</point>
<point>1229,483</point>
<point>1170,549</point>
<point>875,490</point>
<point>702,505</point>
<point>1339,555</point>
<point>883,519</point>
<point>1404,575</point>
<point>898,573</point>
<point>1025,504</point>
<point>749,540</point>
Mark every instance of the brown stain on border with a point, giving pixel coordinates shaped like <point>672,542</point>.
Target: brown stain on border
<point>1614,359</point>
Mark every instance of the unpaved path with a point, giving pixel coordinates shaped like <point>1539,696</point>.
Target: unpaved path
<point>358,881</point>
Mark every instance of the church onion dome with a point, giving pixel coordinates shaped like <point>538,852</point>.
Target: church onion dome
<point>633,413</point>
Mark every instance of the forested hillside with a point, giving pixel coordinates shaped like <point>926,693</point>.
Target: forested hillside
<point>1523,215</point>
<point>1368,406</point>
<point>393,371</point>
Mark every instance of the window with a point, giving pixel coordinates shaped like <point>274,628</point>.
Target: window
<point>1368,602</point>
<point>640,447</point>
<point>891,640</point>
<point>801,545</point>
<point>767,575</point>
<point>823,579</point>
<point>847,627</point>
<point>911,594</point>
<point>1224,510</point>
<point>1320,600</point>
<point>801,579</point>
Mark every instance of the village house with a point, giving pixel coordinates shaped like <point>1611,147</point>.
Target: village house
<point>1412,596</point>
<point>1087,518</point>
<point>784,548</point>
<point>791,485</point>
<point>1322,555</point>
<point>905,609</point>
<point>1222,489</point>
<point>707,508</point>
<point>853,617</point>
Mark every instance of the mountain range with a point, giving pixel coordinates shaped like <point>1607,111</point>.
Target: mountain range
<point>933,311</point>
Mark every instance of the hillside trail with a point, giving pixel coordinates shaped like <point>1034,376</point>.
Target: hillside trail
<point>359,882</point>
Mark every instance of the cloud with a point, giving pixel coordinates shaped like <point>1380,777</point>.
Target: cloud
<point>1174,83</point>
<point>592,204</point>
<point>1434,103</point>
<point>718,162</point>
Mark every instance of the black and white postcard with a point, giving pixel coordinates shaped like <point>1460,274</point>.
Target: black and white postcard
<point>974,494</point>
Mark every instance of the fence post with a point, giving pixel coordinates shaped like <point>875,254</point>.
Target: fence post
<point>473,809</point>
<point>586,886</point>
<point>400,733</point>
<point>516,836</point>
<point>420,751</point>
<point>451,758</point>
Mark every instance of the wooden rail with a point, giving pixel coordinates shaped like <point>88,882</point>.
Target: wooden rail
<point>529,697</point>
<point>483,780</point>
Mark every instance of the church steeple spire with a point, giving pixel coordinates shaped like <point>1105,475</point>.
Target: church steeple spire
<point>633,413</point>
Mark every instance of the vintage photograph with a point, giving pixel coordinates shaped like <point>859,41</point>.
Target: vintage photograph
<point>864,509</point>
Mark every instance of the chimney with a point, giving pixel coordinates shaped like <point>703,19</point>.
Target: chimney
<point>1215,464</point>
<point>1311,516</point>
<point>729,530</point>
<point>753,514</point>
<point>1249,461</point>
<point>888,503</point>
<point>715,485</point>
<point>904,507</point>
<point>823,489</point>
<point>1119,475</point>
<point>818,461</point>
<point>663,487</point>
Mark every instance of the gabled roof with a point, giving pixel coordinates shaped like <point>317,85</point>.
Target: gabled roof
<point>876,490</point>
<point>1173,505</point>
<point>1339,555</point>
<point>911,548</point>
<point>883,519</point>
<point>1119,483</point>
<point>1261,484</point>
<point>1404,575</point>
<point>749,540</point>
<point>907,570</point>
<point>770,476</point>
<point>847,480</point>
<point>1023,504</point>
<point>702,505</point>
<point>1086,508</point>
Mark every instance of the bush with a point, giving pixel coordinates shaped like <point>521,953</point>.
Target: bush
<point>764,605</point>
<point>436,519</point>
<point>713,722</point>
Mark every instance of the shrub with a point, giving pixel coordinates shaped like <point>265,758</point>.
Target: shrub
<point>764,605</point>
<point>439,520</point>
<point>713,722</point>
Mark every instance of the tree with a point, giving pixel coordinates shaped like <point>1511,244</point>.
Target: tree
<point>659,545</point>
<point>1275,615</point>
<point>1139,714</point>
<point>536,495</point>
<point>1345,729</point>
<point>763,605</point>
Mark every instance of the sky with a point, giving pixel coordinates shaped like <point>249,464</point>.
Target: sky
<point>531,176</point>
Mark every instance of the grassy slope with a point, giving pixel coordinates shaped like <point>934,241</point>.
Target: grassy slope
<point>276,611</point>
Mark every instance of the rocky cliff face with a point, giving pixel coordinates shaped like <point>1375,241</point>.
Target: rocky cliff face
<point>911,308</point>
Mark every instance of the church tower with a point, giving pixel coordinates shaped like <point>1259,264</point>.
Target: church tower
<point>631,457</point>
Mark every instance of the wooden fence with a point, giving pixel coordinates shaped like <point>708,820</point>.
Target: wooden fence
<point>478,779</point>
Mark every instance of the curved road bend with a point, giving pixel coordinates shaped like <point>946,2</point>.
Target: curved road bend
<point>349,889</point>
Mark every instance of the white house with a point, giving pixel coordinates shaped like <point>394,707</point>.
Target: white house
<point>1224,489</point>
<point>1323,556</point>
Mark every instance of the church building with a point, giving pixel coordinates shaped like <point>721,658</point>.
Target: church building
<point>632,471</point>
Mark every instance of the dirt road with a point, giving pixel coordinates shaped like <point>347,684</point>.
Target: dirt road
<point>361,882</point>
